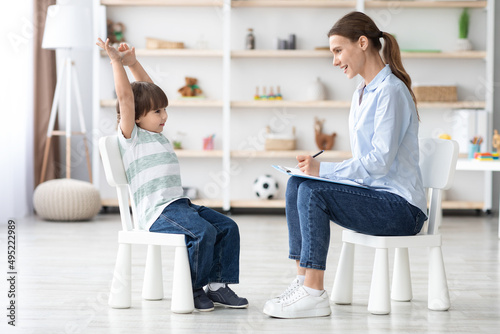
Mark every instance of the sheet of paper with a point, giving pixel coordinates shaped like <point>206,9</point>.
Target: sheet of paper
<point>297,172</point>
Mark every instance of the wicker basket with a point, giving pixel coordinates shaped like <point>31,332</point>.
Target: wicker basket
<point>435,93</point>
<point>279,144</point>
<point>154,43</point>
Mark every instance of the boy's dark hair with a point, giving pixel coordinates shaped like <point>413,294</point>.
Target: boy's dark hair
<point>147,97</point>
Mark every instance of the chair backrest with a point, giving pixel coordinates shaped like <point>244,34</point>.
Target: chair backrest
<point>116,177</point>
<point>438,160</point>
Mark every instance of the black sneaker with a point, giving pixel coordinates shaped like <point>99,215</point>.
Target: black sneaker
<point>227,297</point>
<point>201,302</point>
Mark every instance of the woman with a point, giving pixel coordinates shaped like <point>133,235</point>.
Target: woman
<point>383,125</point>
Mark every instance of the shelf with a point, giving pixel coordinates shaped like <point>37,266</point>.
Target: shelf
<point>462,205</point>
<point>183,3</point>
<point>184,103</point>
<point>328,54</point>
<point>295,3</point>
<point>425,4</point>
<point>281,53</point>
<point>280,204</point>
<point>199,153</point>
<point>290,104</point>
<point>111,103</point>
<point>178,53</point>
<point>174,53</point>
<point>213,203</point>
<point>294,54</point>
<point>444,55</point>
<point>332,155</point>
<point>452,105</point>
<point>259,204</point>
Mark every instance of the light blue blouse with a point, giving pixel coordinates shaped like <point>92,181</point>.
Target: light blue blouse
<point>383,128</point>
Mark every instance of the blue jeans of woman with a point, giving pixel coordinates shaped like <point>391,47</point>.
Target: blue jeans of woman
<point>212,239</point>
<point>312,204</point>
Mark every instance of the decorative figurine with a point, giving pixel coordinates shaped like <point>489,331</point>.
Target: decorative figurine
<point>323,141</point>
<point>496,141</point>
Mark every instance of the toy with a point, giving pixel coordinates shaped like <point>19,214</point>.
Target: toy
<point>323,141</point>
<point>496,141</point>
<point>444,136</point>
<point>191,88</point>
<point>208,143</point>
<point>115,32</point>
<point>485,156</point>
<point>271,95</point>
<point>265,187</point>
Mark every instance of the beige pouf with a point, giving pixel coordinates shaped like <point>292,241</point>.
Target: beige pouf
<point>66,200</point>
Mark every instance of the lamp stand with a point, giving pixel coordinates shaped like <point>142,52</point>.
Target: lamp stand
<point>71,78</point>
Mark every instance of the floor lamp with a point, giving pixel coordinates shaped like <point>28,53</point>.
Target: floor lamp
<point>66,28</point>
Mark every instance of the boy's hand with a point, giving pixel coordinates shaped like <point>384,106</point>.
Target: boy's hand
<point>113,54</point>
<point>127,54</point>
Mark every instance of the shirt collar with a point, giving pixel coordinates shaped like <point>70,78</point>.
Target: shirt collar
<point>379,78</point>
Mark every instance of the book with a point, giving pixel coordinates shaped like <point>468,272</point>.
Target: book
<point>297,172</point>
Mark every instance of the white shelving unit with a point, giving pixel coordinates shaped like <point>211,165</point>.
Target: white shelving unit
<point>228,108</point>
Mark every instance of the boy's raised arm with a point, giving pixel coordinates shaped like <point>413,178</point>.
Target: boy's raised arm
<point>123,88</point>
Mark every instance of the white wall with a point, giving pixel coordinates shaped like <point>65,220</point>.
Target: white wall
<point>16,136</point>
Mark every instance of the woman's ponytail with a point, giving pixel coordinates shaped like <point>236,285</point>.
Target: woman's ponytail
<point>391,55</point>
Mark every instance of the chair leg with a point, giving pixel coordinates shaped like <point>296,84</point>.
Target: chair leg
<point>152,288</point>
<point>182,290</point>
<point>379,302</point>
<point>120,295</point>
<point>401,278</point>
<point>439,298</point>
<point>342,286</point>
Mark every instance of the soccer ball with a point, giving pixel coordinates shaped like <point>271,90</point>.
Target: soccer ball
<point>265,187</point>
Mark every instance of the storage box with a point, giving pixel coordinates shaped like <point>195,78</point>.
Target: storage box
<point>435,93</point>
<point>154,43</point>
<point>279,144</point>
<point>279,141</point>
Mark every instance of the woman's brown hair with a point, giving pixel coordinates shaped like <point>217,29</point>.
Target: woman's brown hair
<point>356,24</point>
<point>147,97</point>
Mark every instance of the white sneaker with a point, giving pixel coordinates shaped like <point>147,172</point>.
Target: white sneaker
<point>291,288</point>
<point>298,304</point>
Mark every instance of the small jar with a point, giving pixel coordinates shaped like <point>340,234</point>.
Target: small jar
<point>250,40</point>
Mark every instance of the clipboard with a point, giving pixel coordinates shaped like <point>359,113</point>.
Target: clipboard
<point>297,172</point>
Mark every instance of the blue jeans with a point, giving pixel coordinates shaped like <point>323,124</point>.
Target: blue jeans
<point>212,239</point>
<point>312,204</point>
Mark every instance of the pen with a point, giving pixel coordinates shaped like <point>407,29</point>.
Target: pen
<point>314,156</point>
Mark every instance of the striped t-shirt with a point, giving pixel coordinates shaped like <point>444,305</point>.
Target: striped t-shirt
<point>153,173</point>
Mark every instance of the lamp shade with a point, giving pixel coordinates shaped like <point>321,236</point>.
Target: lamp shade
<point>67,27</point>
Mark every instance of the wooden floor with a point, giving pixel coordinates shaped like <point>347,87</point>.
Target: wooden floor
<point>65,272</point>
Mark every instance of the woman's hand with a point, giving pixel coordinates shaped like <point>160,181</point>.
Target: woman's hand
<point>308,165</point>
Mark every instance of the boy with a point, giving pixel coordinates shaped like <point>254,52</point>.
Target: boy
<point>152,169</point>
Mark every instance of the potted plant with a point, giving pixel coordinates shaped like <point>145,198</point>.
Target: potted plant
<point>463,43</point>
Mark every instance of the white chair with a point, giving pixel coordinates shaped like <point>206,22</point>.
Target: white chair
<point>120,295</point>
<point>438,158</point>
